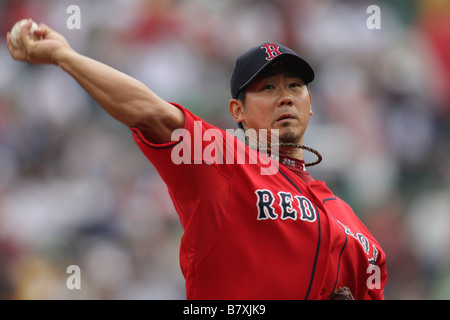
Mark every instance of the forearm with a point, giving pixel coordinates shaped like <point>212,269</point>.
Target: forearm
<point>123,97</point>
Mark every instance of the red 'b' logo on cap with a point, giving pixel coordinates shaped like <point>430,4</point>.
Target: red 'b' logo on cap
<point>272,50</point>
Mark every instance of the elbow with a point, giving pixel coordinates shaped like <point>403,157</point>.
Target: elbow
<point>157,123</point>
<point>142,118</point>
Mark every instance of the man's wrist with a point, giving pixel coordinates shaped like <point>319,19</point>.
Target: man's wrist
<point>63,56</point>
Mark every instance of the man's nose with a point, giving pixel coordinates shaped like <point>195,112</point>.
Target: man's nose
<point>285,99</point>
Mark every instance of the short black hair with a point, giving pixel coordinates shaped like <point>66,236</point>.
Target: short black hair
<point>241,97</point>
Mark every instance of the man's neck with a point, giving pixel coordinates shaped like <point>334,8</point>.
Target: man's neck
<point>291,152</point>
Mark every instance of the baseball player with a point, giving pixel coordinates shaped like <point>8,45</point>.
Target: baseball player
<point>247,235</point>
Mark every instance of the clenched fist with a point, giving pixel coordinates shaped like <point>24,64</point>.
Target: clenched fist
<point>41,47</point>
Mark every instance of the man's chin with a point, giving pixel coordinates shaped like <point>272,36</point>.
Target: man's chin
<point>290,137</point>
<point>275,136</point>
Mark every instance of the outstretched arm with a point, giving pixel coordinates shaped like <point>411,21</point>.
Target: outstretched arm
<point>123,97</point>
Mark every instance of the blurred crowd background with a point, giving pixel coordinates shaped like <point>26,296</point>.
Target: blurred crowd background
<point>75,189</point>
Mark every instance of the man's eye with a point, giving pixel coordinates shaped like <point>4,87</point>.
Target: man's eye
<point>294,84</point>
<point>268,87</point>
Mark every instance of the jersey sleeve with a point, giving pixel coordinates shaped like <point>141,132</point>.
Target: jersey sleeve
<point>192,164</point>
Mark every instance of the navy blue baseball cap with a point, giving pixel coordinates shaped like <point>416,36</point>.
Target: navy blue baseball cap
<point>252,62</point>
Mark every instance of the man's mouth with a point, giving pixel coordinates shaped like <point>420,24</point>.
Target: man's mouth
<point>285,116</point>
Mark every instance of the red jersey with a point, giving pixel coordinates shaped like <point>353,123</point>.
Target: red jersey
<point>249,235</point>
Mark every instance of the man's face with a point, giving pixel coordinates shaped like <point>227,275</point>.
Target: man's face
<point>279,100</point>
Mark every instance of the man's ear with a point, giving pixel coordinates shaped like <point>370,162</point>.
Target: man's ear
<point>310,104</point>
<point>236,108</point>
